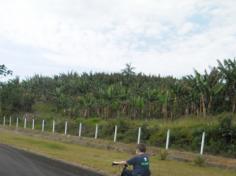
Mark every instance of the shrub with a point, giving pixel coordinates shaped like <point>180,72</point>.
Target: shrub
<point>199,161</point>
<point>158,137</point>
<point>163,154</point>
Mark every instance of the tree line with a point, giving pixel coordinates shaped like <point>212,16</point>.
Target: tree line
<point>125,94</point>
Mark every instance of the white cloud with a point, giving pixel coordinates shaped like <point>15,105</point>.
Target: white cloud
<point>157,36</point>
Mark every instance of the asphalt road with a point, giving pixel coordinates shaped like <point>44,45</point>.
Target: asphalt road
<point>14,162</point>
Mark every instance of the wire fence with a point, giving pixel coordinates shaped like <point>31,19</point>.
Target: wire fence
<point>98,131</point>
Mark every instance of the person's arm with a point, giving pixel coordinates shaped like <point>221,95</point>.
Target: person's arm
<point>119,162</point>
<point>131,161</point>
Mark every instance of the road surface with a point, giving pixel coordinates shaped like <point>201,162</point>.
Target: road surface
<point>14,162</point>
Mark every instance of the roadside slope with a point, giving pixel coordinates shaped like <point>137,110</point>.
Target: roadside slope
<point>100,159</point>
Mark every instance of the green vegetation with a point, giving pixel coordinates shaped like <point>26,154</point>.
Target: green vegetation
<point>100,159</point>
<point>187,106</point>
<point>199,161</point>
<point>126,94</point>
<point>185,132</point>
<point>163,154</point>
<point>4,71</point>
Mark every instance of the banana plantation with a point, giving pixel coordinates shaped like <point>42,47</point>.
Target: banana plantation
<point>126,94</point>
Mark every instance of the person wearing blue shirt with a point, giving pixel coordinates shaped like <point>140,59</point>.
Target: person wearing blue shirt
<point>140,163</point>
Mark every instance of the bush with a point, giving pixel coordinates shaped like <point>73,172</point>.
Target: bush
<point>158,137</point>
<point>199,161</point>
<point>163,154</point>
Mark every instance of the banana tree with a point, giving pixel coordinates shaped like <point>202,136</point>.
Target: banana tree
<point>228,71</point>
<point>214,86</point>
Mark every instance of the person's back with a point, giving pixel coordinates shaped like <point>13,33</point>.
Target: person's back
<point>140,163</point>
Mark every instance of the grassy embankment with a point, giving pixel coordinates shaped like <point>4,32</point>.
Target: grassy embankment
<point>48,113</point>
<point>185,135</point>
<point>100,159</point>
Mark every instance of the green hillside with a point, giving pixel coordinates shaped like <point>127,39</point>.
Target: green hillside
<point>187,106</point>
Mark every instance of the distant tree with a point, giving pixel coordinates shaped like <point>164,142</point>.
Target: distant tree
<point>4,71</point>
<point>128,70</point>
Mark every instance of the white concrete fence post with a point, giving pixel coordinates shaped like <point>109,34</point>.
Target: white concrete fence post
<point>25,123</point>
<point>53,126</point>
<point>33,124</point>
<point>80,129</point>
<point>167,139</point>
<point>4,121</point>
<point>43,126</point>
<point>9,121</point>
<point>66,128</point>
<point>17,122</point>
<point>139,135</point>
<point>96,132</point>
<point>203,142</point>
<point>115,134</point>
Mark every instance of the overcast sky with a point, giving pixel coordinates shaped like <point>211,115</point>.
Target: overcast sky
<point>166,37</point>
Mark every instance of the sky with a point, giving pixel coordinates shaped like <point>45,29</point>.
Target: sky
<point>158,37</point>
